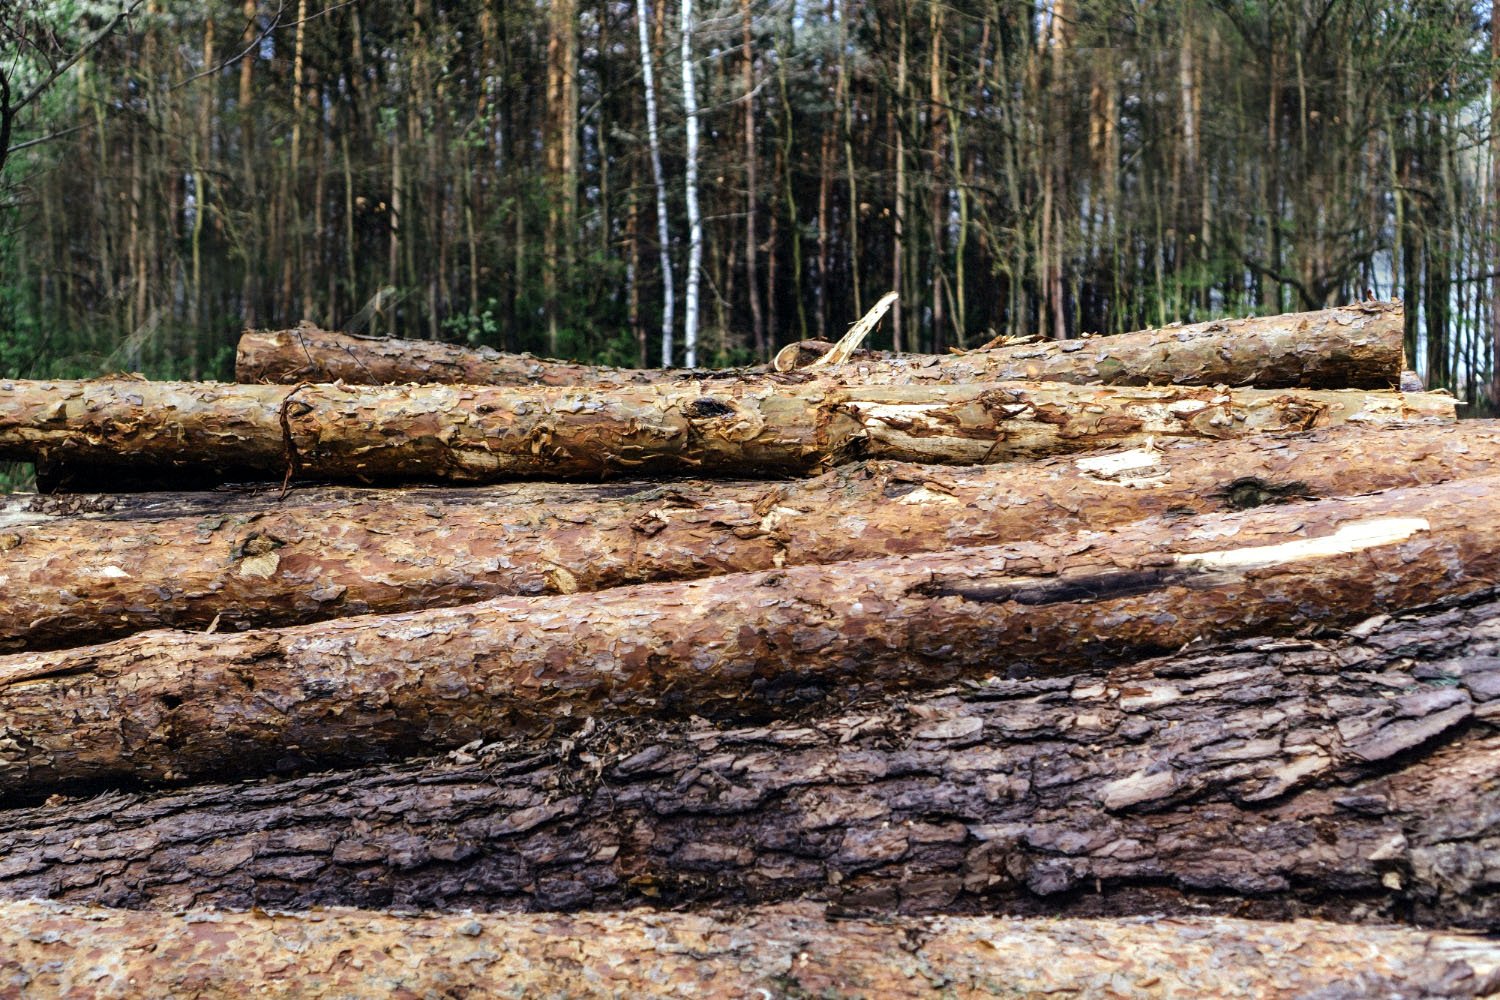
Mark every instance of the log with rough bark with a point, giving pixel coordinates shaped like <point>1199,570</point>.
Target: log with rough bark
<point>776,951</point>
<point>78,569</point>
<point>479,433</point>
<point>1350,779</point>
<point>170,705</point>
<point>1358,346</point>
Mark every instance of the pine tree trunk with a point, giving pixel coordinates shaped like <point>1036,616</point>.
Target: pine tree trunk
<point>78,569</point>
<point>1273,778</point>
<point>775,951</point>
<point>1353,347</point>
<point>114,430</point>
<point>368,689</point>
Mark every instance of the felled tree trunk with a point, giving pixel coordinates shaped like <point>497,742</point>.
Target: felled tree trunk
<point>1356,346</point>
<point>1273,778</point>
<point>80,569</point>
<point>478,434</point>
<point>777,951</point>
<point>166,705</point>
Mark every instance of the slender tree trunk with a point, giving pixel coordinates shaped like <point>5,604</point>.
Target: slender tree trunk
<point>786,949</point>
<point>663,233</point>
<point>695,221</point>
<point>752,186</point>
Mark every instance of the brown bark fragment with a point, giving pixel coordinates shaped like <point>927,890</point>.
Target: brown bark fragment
<point>789,950</point>
<point>483,434</point>
<point>1356,346</point>
<point>1269,778</point>
<point>78,569</point>
<point>167,705</point>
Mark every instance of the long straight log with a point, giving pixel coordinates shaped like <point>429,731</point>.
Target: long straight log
<point>161,706</point>
<point>1358,346</point>
<point>78,569</point>
<point>778,951</point>
<point>1272,778</point>
<point>479,434</point>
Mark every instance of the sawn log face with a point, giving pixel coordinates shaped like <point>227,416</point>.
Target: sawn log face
<point>478,434</point>
<point>167,705</point>
<point>1273,778</point>
<point>776,951</point>
<point>1356,346</point>
<point>79,569</point>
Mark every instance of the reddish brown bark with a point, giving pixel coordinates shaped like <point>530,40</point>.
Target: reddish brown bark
<point>480,434</point>
<point>1355,346</point>
<point>1272,778</point>
<point>82,569</point>
<point>369,689</point>
<point>788,950</point>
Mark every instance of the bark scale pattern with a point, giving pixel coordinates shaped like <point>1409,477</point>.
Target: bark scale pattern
<point>1356,346</point>
<point>171,705</point>
<point>798,425</point>
<point>79,569</point>
<point>1270,778</point>
<point>88,953</point>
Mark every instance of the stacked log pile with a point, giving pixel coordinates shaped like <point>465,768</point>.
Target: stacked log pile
<point>1029,671</point>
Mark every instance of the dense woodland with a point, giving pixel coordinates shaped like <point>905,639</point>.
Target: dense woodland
<point>605,179</point>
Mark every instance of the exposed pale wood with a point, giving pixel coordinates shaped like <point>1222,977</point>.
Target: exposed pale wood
<point>780,951</point>
<point>78,569</point>
<point>166,705</point>
<point>478,434</point>
<point>1271,778</point>
<point>1356,346</point>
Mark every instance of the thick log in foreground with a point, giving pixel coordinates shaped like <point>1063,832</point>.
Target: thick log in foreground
<point>1271,778</point>
<point>779,951</point>
<point>170,705</point>
<point>79,569</point>
<point>1356,346</point>
<point>479,433</point>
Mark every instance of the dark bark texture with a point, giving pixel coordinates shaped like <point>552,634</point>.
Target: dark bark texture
<point>78,569</point>
<point>1356,346</point>
<point>162,706</point>
<point>83,953</point>
<point>1350,779</point>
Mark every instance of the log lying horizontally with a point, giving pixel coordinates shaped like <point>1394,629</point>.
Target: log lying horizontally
<point>478,433</point>
<point>78,569</point>
<point>1272,778</point>
<point>780,951</point>
<point>166,705</point>
<point>1356,346</point>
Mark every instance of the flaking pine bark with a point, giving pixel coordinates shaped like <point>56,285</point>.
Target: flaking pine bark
<point>1357,346</point>
<point>1349,779</point>
<point>79,569</point>
<point>109,429</point>
<point>786,950</point>
<point>164,706</point>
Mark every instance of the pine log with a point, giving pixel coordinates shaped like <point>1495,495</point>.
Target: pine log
<point>479,434</point>
<point>777,951</point>
<point>1358,346</point>
<point>1272,778</point>
<point>79,569</point>
<point>164,706</point>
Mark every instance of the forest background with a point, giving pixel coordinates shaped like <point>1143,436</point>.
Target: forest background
<point>648,181</point>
